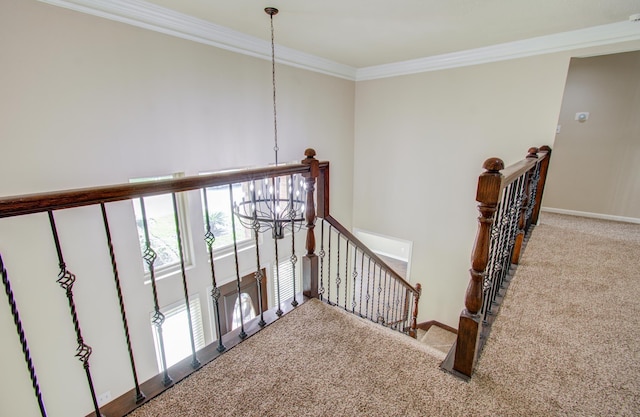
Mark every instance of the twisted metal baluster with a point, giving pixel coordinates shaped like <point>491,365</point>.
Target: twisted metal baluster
<point>394,317</point>
<point>258,274</point>
<point>494,251</point>
<point>398,308</point>
<point>361,283</point>
<point>346,272</point>
<point>294,258</point>
<point>149,257</point>
<point>116,277</point>
<point>338,280</point>
<point>275,242</point>
<point>66,280</point>
<point>368,297</point>
<point>321,254</point>
<point>379,289</point>
<point>532,196</point>
<point>355,277</point>
<point>242,334</point>
<point>23,338</point>
<point>195,363</point>
<point>385,304</point>
<point>329,268</point>
<point>209,239</point>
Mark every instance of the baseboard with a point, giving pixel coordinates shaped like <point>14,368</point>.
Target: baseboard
<point>592,215</point>
<point>427,325</point>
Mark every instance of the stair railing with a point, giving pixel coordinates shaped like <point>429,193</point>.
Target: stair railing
<point>509,205</point>
<point>346,273</point>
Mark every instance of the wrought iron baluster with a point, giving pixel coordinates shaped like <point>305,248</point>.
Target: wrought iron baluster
<point>385,304</point>
<point>258,274</point>
<point>195,363</point>
<point>338,280</point>
<point>242,334</point>
<point>66,280</point>
<point>23,338</point>
<point>379,289</point>
<point>361,282</point>
<point>495,251</point>
<point>355,277</point>
<point>533,194</point>
<point>329,268</point>
<point>346,271</point>
<point>150,256</point>
<point>275,243</point>
<point>394,317</point>
<point>369,285</point>
<point>209,239</point>
<point>508,225</point>
<point>139,394</point>
<point>294,258</point>
<point>321,254</point>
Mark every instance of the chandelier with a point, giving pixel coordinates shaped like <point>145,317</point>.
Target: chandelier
<point>273,203</point>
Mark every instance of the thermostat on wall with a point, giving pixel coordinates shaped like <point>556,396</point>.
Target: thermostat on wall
<point>582,116</point>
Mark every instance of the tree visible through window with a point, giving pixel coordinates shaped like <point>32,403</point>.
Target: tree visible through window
<point>220,214</point>
<point>161,225</point>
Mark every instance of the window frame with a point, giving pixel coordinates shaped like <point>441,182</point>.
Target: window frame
<point>184,224</point>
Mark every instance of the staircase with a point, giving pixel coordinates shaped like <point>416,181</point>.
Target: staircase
<point>438,338</point>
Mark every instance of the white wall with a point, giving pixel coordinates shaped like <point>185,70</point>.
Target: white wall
<point>87,101</point>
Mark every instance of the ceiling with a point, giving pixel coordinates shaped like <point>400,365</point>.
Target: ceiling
<point>365,33</point>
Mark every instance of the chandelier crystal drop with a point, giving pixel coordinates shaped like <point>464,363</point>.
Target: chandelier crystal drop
<point>273,203</point>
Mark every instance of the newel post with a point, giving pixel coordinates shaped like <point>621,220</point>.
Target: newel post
<point>544,167</point>
<point>470,325</point>
<point>310,259</point>
<point>413,329</point>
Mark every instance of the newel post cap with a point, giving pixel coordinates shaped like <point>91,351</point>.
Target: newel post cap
<point>533,152</point>
<point>493,165</point>
<point>310,153</point>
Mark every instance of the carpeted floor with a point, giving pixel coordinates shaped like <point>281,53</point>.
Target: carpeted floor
<point>565,344</point>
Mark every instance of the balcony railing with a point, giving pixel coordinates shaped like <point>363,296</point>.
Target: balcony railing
<point>89,243</point>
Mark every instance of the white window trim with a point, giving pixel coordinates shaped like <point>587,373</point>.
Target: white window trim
<point>174,269</point>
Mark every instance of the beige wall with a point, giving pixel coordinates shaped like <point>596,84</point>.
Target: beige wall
<point>87,101</point>
<point>596,164</point>
<point>419,146</point>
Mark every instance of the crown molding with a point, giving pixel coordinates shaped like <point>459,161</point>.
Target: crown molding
<point>152,17</point>
<point>559,42</point>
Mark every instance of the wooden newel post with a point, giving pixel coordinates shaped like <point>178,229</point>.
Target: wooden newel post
<point>310,259</point>
<point>522,218</point>
<point>470,325</point>
<point>544,167</point>
<point>413,330</point>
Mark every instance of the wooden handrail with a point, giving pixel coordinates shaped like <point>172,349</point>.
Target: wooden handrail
<point>41,202</point>
<point>514,171</point>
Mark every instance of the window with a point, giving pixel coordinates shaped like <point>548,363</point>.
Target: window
<point>175,332</point>
<point>161,225</point>
<point>285,268</point>
<point>220,217</point>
